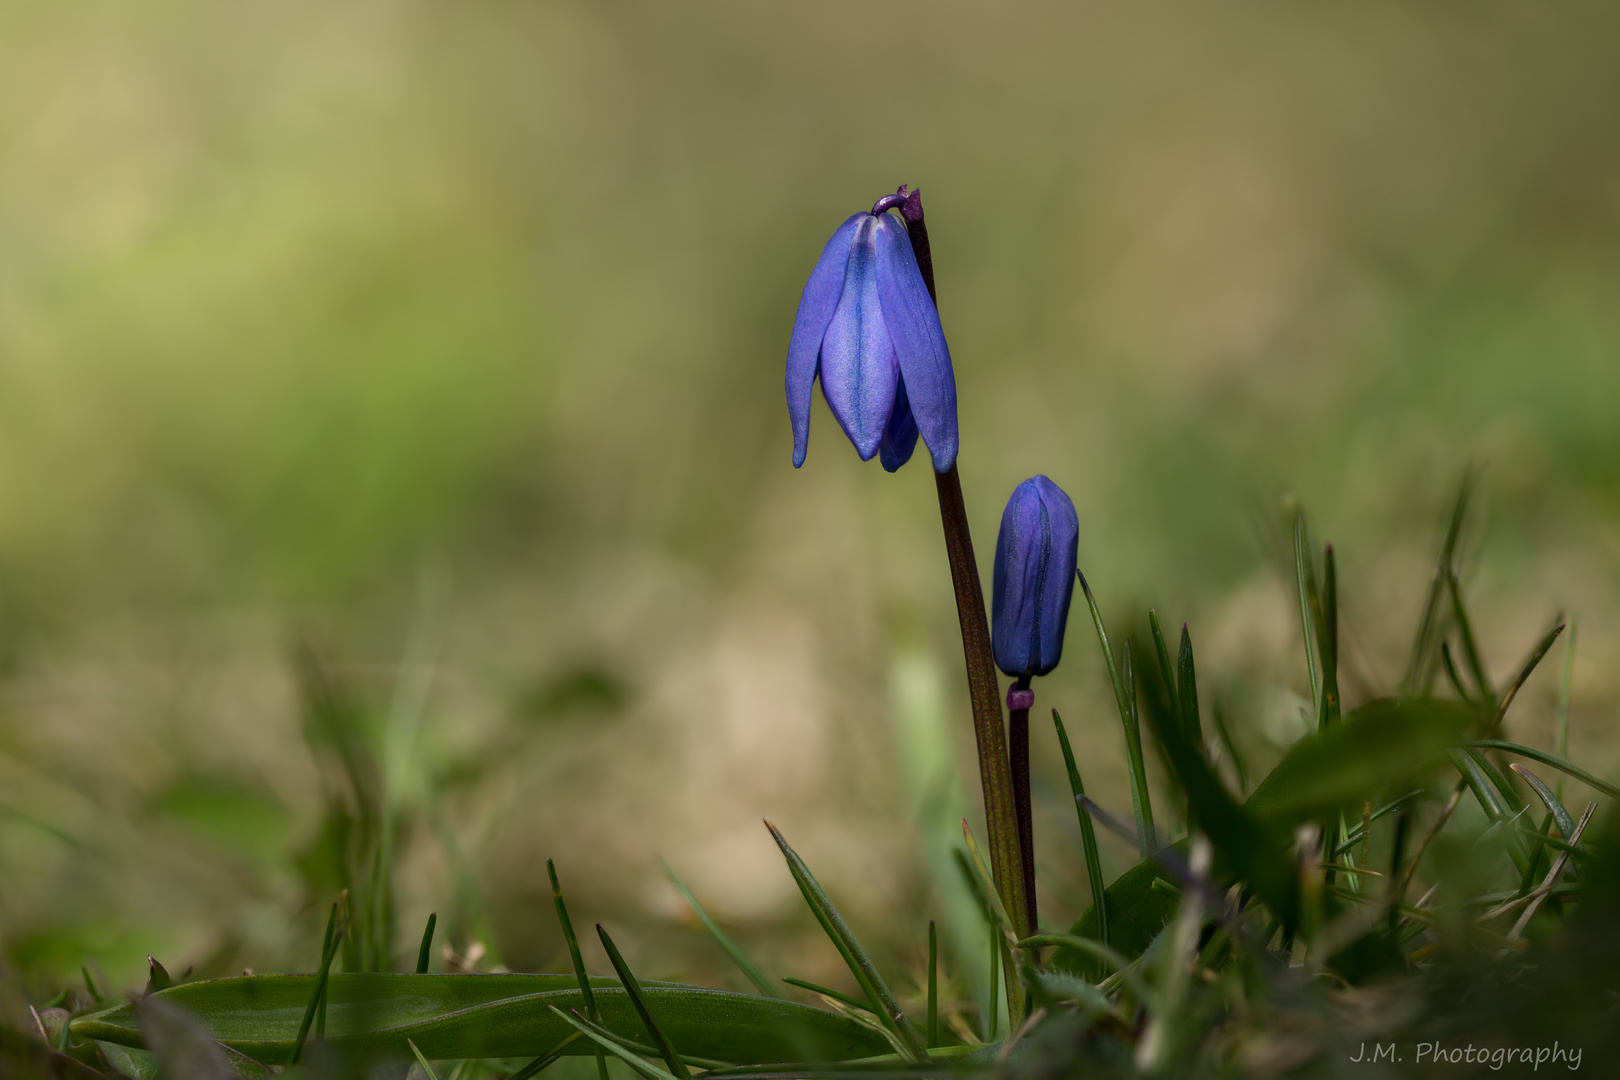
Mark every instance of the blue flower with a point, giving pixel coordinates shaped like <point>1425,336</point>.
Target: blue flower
<point>1034,578</point>
<point>868,328</point>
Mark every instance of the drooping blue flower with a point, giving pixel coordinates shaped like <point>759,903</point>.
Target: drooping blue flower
<point>869,330</point>
<point>1034,578</point>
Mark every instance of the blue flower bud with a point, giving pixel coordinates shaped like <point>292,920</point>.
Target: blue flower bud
<point>1034,578</point>
<point>869,330</point>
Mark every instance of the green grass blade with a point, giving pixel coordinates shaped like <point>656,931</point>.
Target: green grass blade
<point>492,1015</point>
<point>827,991</point>
<point>1545,758</point>
<point>1355,836</point>
<point>1525,670</point>
<point>1420,665</point>
<point>1565,820</point>
<point>424,955</point>
<point>1465,629</point>
<point>1088,832</point>
<point>849,947</point>
<point>1305,577</point>
<point>422,1061</point>
<point>576,959</point>
<point>1487,796</point>
<point>328,950</point>
<point>548,1059</point>
<point>992,1017</point>
<point>573,942</point>
<point>1510,795</point>
<point>1230,745</point>
<point>627,978</point>
<point>1328,638</point>
<point>640,1065</point>
<point>933,985</point>
<point>1140,800</point>
<point>1187,692</point>
<point>745,965</point>
<point>157,976</point>
<point>1121,964</point>
<point>1003,934</point>
<point>1561,742</point>
<point>1167,671</point>
<point>1452,676</point>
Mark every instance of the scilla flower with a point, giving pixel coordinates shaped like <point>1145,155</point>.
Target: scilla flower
<point>868,328</point>
<point>1034,579</point>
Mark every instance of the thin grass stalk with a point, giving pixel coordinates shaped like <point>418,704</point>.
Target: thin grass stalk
<point>731,948</point>
<point>1305,576</point>
<point>577,959</point>
<point>933,985</point>
<point>1088,832</point>
<point>424,953</point>
<point>1420,667</point>
<point>849,947</point>
<point>1561,740</point>
<point>632,987</point>
<point>1141,801</point>
<point>1328,638</point>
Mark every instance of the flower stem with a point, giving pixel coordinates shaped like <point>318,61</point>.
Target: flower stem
<point>1000,813</point>
<point>1018,755</point>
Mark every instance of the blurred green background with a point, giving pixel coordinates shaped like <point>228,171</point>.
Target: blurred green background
<point>445,342</point>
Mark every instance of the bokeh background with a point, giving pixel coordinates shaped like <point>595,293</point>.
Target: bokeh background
<point>441,346</point>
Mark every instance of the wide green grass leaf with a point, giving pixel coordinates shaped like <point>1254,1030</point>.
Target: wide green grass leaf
<point>1136,913</point>
<point>1377,746</point>
<point>491,1015</point>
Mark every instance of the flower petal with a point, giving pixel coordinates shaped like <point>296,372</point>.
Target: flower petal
<point>859,373</point>
<point>919,341</point>
<point>1033,578</point>
<point>816,309</point>
<point>900,434</point>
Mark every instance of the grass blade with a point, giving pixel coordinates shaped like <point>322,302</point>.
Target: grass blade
<point>328,951</point>
<point>1003,936</point>
<point>1357,835</point>
<point>1566,822</point>
<point>1525,669</point>
<point>1561,745</point>
<point>933,985</point>
<point>1121,963</point>
<point>639,1000</point>
<point>1088,831</point>
<point>641,1066</point>
<point>1166,671</point>
<point>860,965</point>
<point>1305,576</point>
<point>422,1061</point>
<point>745,965</point>
<point>1545,758</point>
<point>1328,638</point>
<point>1187,693</point>
<point>1465,629</point>
<point>546,1060</point>
<point>827,991</point>
<point>1420,667</point>
<point>1140,800</point>
<point>578,961</point>
<point>1230,746</point>
<point>992,1019</point>
<point>424,955</point>
<point>1510,795</point>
